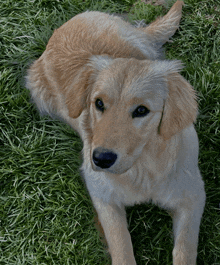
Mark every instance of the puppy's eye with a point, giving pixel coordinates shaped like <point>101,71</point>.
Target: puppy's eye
<point>99,105</point>
<point>140,111</point>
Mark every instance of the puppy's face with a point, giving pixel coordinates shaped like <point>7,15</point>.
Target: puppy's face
<point>126,105</point>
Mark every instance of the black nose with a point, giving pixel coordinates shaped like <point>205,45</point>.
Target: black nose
<point>103,158</point>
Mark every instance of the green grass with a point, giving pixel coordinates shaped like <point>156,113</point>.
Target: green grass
<point>46,215</point>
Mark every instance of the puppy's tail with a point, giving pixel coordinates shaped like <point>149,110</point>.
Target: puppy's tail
<point>164,27</point>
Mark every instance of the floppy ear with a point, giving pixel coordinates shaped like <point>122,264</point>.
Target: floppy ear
<point>59,90</point>
<point>163,28</point>
<point>180,109</point>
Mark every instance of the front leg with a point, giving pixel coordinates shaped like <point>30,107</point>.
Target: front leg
<point>114,223</point>
<point>186,222</point>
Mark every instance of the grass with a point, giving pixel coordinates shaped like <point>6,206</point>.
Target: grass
<point>46,215</point>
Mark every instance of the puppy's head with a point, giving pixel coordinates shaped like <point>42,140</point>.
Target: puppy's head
<point>131,103</point>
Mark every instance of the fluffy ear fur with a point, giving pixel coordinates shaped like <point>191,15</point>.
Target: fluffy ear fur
<point>163,28</point>
<point>76,96</point>
<point>62,93</point>
<point>50,97</point>
<point>180,109</point>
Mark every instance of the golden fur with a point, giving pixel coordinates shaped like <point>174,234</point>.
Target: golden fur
<point>96,60</point>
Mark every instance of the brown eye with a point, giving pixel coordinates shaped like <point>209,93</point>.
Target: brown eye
<point>140,111</point>
<point>99,105</point>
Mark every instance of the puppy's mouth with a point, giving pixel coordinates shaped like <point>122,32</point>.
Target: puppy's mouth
<point>112,170</point>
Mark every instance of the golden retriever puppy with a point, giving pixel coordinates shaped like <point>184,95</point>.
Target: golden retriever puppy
<point>135,114</point>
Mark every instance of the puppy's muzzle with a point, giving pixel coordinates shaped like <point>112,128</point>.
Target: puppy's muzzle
<point>103,158</point>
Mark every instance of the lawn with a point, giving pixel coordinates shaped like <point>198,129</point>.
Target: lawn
<point>46,215</point>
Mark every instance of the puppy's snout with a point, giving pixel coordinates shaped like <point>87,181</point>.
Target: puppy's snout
<point>103,158</point>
